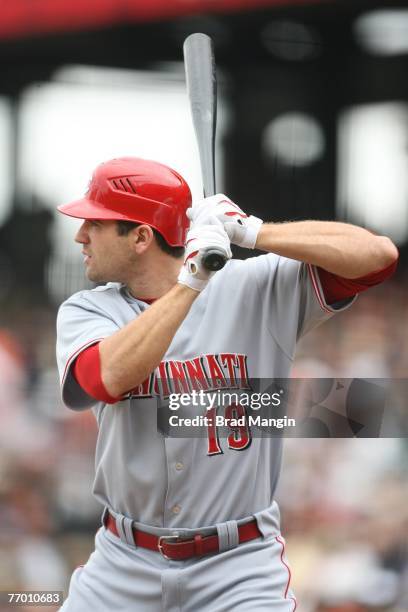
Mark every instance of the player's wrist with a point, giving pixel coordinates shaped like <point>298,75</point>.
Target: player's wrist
<point>271,237</point>
<point>186,279</point>
<point>184,291</point>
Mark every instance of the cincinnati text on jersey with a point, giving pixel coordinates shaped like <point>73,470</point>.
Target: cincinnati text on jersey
<point>207,372</point>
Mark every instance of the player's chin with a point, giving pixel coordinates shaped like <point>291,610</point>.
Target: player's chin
<point>97,276</point>
<point>92,274</point>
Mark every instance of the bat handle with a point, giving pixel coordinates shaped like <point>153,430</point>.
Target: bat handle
<point>214,260</point>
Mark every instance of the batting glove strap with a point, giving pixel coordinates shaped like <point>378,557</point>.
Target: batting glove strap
<point>244,232</point>
<point>185,278</point>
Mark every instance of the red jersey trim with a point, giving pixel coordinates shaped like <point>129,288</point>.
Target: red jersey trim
<point>318,291</point>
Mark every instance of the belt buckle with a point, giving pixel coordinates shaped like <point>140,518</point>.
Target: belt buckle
<point>160,545</point>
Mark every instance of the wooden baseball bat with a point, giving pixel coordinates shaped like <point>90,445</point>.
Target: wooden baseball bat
<point>201,80</point>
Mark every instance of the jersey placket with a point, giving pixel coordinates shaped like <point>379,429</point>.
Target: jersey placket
<point>178,456</point>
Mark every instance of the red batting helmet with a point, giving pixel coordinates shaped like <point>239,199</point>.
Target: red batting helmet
<point>139,190</point>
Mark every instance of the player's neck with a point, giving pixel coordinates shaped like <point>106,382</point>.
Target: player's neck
<point>156,278</point>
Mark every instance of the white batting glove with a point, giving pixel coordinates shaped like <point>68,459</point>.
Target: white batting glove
<point>241,229</point>
<point>201,239</point>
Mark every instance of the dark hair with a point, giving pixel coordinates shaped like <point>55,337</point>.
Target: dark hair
<point>124,227</point>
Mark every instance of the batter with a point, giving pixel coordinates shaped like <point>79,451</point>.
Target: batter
<point>190,524</point>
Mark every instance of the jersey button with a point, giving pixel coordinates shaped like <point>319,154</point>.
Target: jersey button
<point>179,466</point>
<point>176,509</point>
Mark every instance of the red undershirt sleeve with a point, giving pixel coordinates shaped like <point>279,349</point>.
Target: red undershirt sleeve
<point>337,288</point>
<point>87,372</point>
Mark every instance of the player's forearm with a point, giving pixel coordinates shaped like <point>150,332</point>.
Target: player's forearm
<point>346,250</point>
<point>131,354</point>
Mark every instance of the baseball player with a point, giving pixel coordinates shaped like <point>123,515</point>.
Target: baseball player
<point>190,524</point>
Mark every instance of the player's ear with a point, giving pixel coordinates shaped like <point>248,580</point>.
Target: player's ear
<point>142,237</point>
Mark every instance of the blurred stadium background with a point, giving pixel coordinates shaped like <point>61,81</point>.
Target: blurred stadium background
<point>313,123</point>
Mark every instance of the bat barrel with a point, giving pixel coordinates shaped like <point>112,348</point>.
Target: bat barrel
<point>202,92</point>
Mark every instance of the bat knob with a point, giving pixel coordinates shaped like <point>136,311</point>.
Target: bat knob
<point>214,260</point>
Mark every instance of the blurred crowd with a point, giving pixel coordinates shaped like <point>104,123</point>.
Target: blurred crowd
<point>343,501</point>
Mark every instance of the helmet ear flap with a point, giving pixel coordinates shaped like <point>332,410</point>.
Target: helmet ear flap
<point>138,190</point>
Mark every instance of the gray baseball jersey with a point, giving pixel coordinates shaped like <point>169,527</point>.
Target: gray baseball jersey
<point>245,324</point>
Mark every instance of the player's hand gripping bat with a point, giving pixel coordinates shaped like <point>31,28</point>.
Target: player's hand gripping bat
<point>201,80</point>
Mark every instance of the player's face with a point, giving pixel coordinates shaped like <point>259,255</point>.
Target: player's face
<point>107,256</point>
